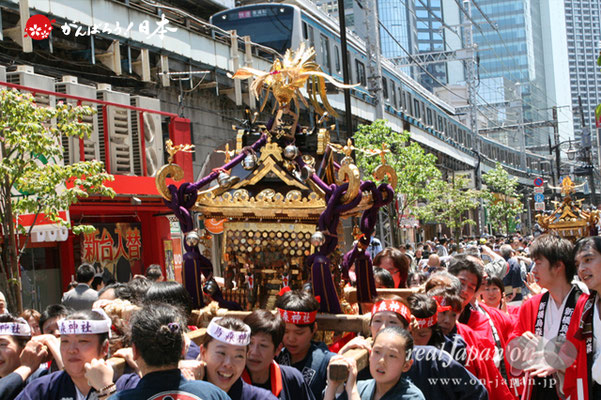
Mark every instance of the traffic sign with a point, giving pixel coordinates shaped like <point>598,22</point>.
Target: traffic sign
<point>539,181</point>
<point>539,206</point>
<point>539,197</point>
<point>539,189</point>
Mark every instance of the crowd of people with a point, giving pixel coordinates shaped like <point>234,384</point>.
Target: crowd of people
<point>490,318</point>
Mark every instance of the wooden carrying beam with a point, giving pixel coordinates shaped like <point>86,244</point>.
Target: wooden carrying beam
<point>325,322</point>
<point>351,293</point>
<point>119,363</point>
<point>339,371</point>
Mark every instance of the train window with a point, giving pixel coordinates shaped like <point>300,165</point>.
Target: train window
<point>393,91</point>
<point>444,125</point>
<point>305,33</point>
<point>402,99</point>
<point>337,59</point>
<point>416,109</point>
<point>428,116</point>
<point>385,88</point>
<point>360,67</point>
<point>409,103</point>
<point>326,62</point>
<point>439,125</point>
<point>311,37</point>
<point>349,60</point>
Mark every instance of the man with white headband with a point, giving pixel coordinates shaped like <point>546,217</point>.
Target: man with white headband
<point>19,358</point>
<point>84,337</point>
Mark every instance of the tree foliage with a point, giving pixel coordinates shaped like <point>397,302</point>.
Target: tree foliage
<point>451,202</point>
<point>416,170</point>
<point>504,202</point>
<point>33,179</point>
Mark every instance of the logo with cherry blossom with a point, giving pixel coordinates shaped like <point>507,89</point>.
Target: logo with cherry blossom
<point>38,27</point>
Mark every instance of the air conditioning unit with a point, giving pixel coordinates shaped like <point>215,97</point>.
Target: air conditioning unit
<point>25,76</point>
<point>74,151</point>
<point>117,139</point>
<point>153,136</point>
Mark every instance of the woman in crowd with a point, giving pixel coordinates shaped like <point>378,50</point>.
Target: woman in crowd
<point>33,319</point>
<point>157,334</point>
<point>396,263</point>
<point>83,337</point>
<point>493,295</point>
<point>224,351</point>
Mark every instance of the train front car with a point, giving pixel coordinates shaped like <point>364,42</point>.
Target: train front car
<point>276,26</point>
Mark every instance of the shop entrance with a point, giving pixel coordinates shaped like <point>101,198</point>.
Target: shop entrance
<point>41,277</point>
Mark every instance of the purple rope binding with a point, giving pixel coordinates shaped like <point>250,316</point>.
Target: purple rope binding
<point>182,201</point>
<point>366,287</point>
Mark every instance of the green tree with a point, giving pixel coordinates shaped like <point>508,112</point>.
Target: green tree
<point>504,202</point>
<point>450,203</point>
<point>416,170</point>
<point>33,179</point>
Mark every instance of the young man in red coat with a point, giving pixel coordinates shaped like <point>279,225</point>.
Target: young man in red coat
<point>552,315</point>
<point>490,324</point>
<point>487,324</point>
<point>587,369</point>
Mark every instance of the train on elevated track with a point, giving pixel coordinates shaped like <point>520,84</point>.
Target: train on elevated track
<point>283,26</point>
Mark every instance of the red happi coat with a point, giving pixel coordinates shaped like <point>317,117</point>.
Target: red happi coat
<point>578,370</point>
<point>479,324</point>
<point>483,367</point>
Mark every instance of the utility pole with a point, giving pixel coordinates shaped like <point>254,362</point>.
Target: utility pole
<point>470,66</point>
<point>557,155</point>
<point>521,130</point>
<point>345,70</point>
<point>375,86</point>
<point>374,78</point>
<point>586,148</point>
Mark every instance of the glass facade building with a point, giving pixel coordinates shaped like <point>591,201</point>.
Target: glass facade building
<point>397,17</point>
<point>512,47</point>
<point>430,38</point>
<point>583,36</point>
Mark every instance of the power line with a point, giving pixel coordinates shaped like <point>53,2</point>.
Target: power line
<point>495,28</point>
<point>437,18</point>
<point>502,40</point>
<point>427,72</point>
